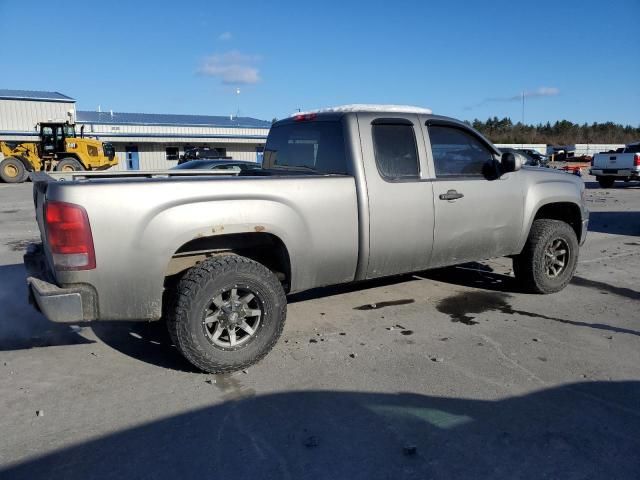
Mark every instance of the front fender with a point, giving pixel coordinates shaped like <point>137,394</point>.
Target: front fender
<point>558,188</point>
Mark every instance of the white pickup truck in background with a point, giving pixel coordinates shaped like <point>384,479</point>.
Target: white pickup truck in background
<point>612,166</point>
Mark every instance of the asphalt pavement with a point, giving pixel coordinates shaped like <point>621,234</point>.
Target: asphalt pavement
<point>445,374</point>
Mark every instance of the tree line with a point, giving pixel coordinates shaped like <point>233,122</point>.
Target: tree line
<point>562,132</point>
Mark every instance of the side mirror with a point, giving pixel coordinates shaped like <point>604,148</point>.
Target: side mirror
<point>511,162</point>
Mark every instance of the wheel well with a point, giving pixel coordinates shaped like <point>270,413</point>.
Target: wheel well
<point>264,248</point>
<point>565,211</point>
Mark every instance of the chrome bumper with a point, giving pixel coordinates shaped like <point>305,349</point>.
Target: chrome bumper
<point>58,304</point>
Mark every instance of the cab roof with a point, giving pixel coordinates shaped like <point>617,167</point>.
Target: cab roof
<point>368,107</point>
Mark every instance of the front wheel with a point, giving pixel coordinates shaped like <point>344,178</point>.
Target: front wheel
<point>69,165</point>
<point>549,258</point>
<point>12,170</point>
<point>226,313</point>
<point>606,182</point>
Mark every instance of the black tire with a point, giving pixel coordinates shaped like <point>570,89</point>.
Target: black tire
<point>69,164</point>
<point>606,182</point>
<point>530,266</point>
<point>195,296</point>
<point>13,170</point>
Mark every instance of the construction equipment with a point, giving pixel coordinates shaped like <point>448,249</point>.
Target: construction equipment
<point>59,148</point>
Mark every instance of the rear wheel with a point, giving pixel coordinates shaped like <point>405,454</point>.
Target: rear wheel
<point>13,170</point>
<point>69,165</point>
<point>226,313</point>
<point>549,258</point>
<point>606,182</point>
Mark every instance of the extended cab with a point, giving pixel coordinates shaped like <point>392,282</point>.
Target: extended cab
<point>346,194</point>
<point>612,166</point>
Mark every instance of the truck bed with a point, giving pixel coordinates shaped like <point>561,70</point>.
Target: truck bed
<point>156,213</point>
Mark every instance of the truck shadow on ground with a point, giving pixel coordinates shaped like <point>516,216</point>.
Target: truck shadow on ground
<point>617,223</point>
<point>626,185</point>
<point>146,341</point>
<point>582,430</point>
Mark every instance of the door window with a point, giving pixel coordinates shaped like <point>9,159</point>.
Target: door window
<point>458,153</point>
<point>395,150</point>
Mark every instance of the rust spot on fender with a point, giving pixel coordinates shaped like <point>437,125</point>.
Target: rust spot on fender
<point>217,228</point>
<point>259,228</point>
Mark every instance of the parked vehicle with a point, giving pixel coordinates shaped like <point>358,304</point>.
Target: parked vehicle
<point>59,148</point>
<point>527,158</point>
<point>625,166</point>
<point>346,194</point>
<point>198,153</point>
<point>232,165</point>
<point>540,159</point>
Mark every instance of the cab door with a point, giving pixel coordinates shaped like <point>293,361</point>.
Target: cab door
<point>478,213</point>
<point>400,196</point>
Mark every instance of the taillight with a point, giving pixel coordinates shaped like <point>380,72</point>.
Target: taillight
<point>69,236</point>
<point>636,160</point>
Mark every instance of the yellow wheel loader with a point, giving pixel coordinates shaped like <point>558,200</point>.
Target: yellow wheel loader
<point>58,149</point>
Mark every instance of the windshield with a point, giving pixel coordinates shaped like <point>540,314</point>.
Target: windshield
<point>313,146</point>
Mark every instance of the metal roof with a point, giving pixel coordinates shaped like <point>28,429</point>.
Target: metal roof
<point>121,118</point>
<point>41,95</point>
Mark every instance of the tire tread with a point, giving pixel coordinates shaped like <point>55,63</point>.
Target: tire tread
<point>187,291</point>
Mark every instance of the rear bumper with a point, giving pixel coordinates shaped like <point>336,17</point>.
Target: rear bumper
<point>618,173</point>
<point>59,304</point>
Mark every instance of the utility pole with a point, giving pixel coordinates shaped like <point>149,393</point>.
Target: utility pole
<point>237,102</point>
<point>523,108</point>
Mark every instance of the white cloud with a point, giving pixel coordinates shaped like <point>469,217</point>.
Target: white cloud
<point>543,92</point>
<point>225,36</point>
<point>537,93</point>
<point>233,68</point>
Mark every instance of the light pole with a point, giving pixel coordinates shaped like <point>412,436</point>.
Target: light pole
<point>237,102</point>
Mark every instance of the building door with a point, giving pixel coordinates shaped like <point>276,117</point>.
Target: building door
<point>259,154</point>
<point>133,158</point>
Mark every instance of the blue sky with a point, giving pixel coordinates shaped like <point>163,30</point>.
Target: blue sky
<point>578,60</point>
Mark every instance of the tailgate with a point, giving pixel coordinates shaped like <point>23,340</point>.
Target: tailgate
<point>41,183</point>
<point>613,160</point>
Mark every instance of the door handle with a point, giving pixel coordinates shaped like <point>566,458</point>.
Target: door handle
<point>451,195</point>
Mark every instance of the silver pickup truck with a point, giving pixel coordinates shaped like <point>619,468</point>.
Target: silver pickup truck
<point>346,194</point>
<point>611,166</point>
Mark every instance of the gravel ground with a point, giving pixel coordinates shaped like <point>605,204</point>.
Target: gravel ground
<point>457,375</point>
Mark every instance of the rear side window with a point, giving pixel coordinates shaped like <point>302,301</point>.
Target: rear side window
<point>313,146</point>
<point>395,150</point>
<point>458,153</point>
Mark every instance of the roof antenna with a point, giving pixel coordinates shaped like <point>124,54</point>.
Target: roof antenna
<point>111,113</point>
<point>99,109</point>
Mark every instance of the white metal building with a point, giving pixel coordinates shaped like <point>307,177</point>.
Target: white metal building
<point>21,110</point>
<point>150,141</point>
<point>143,141</point>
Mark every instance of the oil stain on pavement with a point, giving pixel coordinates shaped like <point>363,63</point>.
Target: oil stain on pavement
<point>464,308</point>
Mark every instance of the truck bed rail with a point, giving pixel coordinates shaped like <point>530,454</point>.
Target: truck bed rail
<point>40,177</point>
